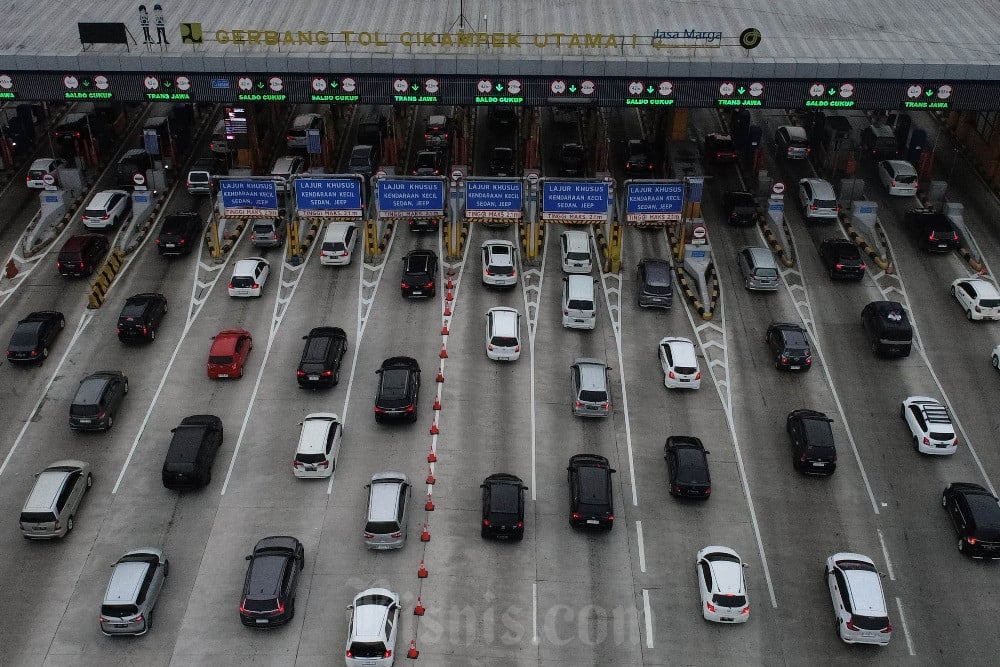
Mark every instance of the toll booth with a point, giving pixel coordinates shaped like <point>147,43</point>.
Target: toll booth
<point>403,198</point>
<point>322,199</point>
<point>240,200</point>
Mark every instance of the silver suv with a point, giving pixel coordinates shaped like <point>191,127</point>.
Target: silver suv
<point>388,506</point>
<point>591,393</point>
<point>133,590</point>
<point>53,502</point>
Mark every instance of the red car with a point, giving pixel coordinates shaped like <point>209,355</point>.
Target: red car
<point>230,349</point>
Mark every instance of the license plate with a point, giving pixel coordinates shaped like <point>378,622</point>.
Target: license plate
<point>314,377</point>
<point>261,621</point>
<point>84,421</point>
<point>310,468</point>
<point>685,380</point>
<point>726,619</point>
<point>868,635</point>
<point>795,368</point>
<point>169,245</point>
<point>416,292</point>
<point>578,321</point>
<point>120,625</point>
<point>503,358</point>
<point>819,464</point>
<point>593,522</point>
<point>591,407</point>
<point>223,375</point>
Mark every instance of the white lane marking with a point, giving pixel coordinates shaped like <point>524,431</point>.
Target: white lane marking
<point>532,312</point>
<point>639,542</point>
<point>906,630</point>
<point>534,612</point>
<point>647,617</point>
<point>885,552</point>
<point>84,321</point>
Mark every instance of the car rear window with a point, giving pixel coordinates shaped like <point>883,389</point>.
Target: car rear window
<point>242,281</point>
<point>266,604</point>
<point>37,517</point>
<point>94,213</point>
<point>905,178</point>
<point>504,341</point>
<point>729,600</point>
<point>36,174</point>
<point>989,303</point>
<point>83,410</point>
<point>870,622</point>
<point>199,177</point>
<point>825,203</point>
<point>381,527</point>
<point>134,309</point>
<point>310,458</point>
<point>263,228</point>
<point>394,383</point>
<point>765,272</point>
<point>503,270</point>
<point>581,304</point>
<point>686,370</point>
<point>220,359</point>
<point>367,649</point>
<point>334,246</point>
<point>578,256</point>
<point>942,435</point>
<point>119,610</point>
<point>591,396</point>
<point>25,334</point>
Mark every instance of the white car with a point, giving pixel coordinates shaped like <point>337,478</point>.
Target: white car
<point>930,423</point>
<point>899,177</point>
<point>723,589</point>
<point>575,249</point>
<point>319,445</point>
<point>679,363</point>
<point>503,334</point>
<point>498,264</point>
<point>107,209</point>
<point>858,601</point>
<point>979,298</point>
<point>818,200</point>
<point>372,626</point>
<point>249,276</point>
<point>39,168</point>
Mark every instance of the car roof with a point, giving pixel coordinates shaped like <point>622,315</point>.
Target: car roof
<point>727,574</point>
<point>41,316</point>
<point>821,188</point>
<point>103,196</point>
<point>864,583</point>
<point>246,267</point>
<point>984,288</point>
<point>42,162</point>
<point>314,431</point>
<point>437,119</point>
<point>795,132</point>
<point>504,321</point>
<point>304,120</point>
<point>588,460</point>
<point>901,167</point>
<point>758,253</point>
<point>682,351</point>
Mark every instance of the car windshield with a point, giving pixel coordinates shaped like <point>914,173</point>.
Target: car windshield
<point>394,383</point>
<point>503,341</point>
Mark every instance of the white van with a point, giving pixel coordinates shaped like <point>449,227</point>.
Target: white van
<point>575,251</point>
<point>579,306</point>
<point>503,334</point>
<point>338,244</point>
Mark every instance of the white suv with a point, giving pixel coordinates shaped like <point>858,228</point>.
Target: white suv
<point>930,424</point>
<point>979,298</point>
<point>249,276</point>
<point>723,589</point>
<point>498,264</point>
<point>858,602</point>
<point>503,334</point>
<point>372,625</point>
<point>319,445</point>
<point>818,200</point>
<point>107,209</point>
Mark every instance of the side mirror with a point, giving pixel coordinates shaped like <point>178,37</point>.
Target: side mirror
<point>612,470</point>
<point>368,486</point>
<point>746,565</point>
<point>305,337</point>
<point>609,368</point>
<point>250,557</point>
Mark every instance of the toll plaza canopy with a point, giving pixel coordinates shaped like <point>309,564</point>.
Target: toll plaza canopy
<point>819,53</point>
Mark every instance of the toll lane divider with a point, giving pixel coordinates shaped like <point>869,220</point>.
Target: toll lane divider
<point>602,245</point>
<point>772,241</point>
<point>28,253</point>
<point>883,263</point>
<point>141,229</point>
<point>685,284</point>
<point>386,235</point>
<point>314,227</point>
<point>229,235</point>
<point>105,277</point>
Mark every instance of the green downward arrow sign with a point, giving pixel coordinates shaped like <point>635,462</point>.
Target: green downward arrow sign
<point>572,88</point>
<point>334,84</point>
<point>831,92</point>
<point>86,83</point>
<point>415,87</point>
<point>167,84</point>
<point>260,84</point>
<point>741,90</point>
<point>499,87</point>
<point>650,89</point>
<point>929,93</point>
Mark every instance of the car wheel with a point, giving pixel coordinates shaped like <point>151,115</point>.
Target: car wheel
<point>952,290</point>
<point>833,274</point>
<point>45,353</point>
<point>944,501</point>
<point>902,412</point>
<point>336,377</point>
<point>62,322</point>
<point>482,532</point>
<point>152,334</point>
<point>90,480</point>
<point>916,444</point>
<point>968,314</point>
<point>996,362</point>
<point>166,569</point>
<point>111,422</point>
<point>126,386</point>
<point>149,620</point>
<point>961,545</point>
<point>69,525</point>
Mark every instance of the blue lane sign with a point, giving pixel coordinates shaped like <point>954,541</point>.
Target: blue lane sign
<point>249,199</point>
<point>405,199</point>
<point>220,83</point>
<point>866,209</point>
<point>151,142</point>
<point>313,146</point>
<point>654,201</point>
<point>776,206</point>
<point>493,199</point>
<point>328,197</point>
<point>575,200</point>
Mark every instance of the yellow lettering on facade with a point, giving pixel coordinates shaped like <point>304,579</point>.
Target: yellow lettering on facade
<point>322,37</point>
<point>497,40</point>
<point>466,38</point>
<point>612,42</point>
<point>253,36</point>
<point>557,37</point>
<point>593,41</point>
<point>543,42</point>
<point>446,40</point>
<point>347,36</point>
<point>406,38</point>
<point>364,38</point>
<point>482,39</point>
<point>514,39</point>
<point>428,39</point>
<point>288,38</point>
<point>379,41</point>
<point>222,36</point>
<point>305,37</point>
<point>239,36</point>
<point>574,41</point>
<point>271,37</point>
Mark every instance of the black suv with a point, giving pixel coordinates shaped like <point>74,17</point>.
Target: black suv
<point>813,450</point>
<point>741,207</point>
<point>655,287</point>
<point>687,467</point>
<point>842,259</point>
<point>398,387</point>
<point>975,514</point>
<point>272,576</point>
<point>82,254</point>
<point>34,335</point>
<point>572,160</point>
<point>503,115</point>
<point>191,453</point>
<point>179,233</point>
<point>320,362</point>
<point>502,161</point>
<point>503,506</point>
<point>419,270</point>
<point>720,148</point>
<point>590,500</point>
<point>933,230</point>
<point>789,345</point>
<point>97,401</point>
<point>887,328</point>
<point>638,158</point>
<point>140,316</point>
<point>428,163</point>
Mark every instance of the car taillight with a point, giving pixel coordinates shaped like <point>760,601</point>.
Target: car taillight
<point>255,286</point>
<point>158,241</point>
<point>838,266</point>
<point>971,540</point>
<point>288,138</point>
<point>710,607</point>
<point>802,458</point>
<point>300,374</point>
<point>102,414</point>
<point>812,207</point>
<point>486,522</point>
<point>379,410</point>
<point>863,266</point>
<point>576,515</point>
<point>58,526</point>
<point>137,619</point>
<point>677,488</point>
<point>280,609</point>
<point>145,331</point>
<point>429,285</point>
<point>708,491</point>
<point>487,272</point>
<point>650,167</point>
<point>253,237</point>
<point>808,151</point>
<point>809,360</point>
<point>892,184</point>
<point>387,654</point>
<point>745,610</point>
<point>34,353</point>
<point>517,348</point>
<point>697,376</point>
<point>578,404</point>
<point>887,629</point>
<point>105,217</point>
<point>243,607</point>
<point>404,285</point>
<point>182,241</point>
<point>230,286</point>
<point>916,184</point>
<point>298,464</point>
<point>850,624</point>
<point>927,440</point>
<point>367,536</point>
<point>323,464</point>
<point>408,408</point>
<point>565,312</point>
<point>520,524</point>
<point>490,347</point>
<point>8,353</point>
<point>628,165</point>
<point>396,534</point>
<point>327,374</point>
<point>838,208</point>
<point>784,359</point>
<point>81,265</point>
<point>955,442</point>
<point>671,375</point>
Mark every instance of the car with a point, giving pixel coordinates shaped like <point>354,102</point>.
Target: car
<point>268,232</point>
<point>789,345</point>
<point>364,160</point>
<point>758,269</point>
<point>818,200</point>
<point>503,115</point>
<point>591,391</point>
<point>899,177</point>
<point>338,244</point>
<point>136,581</point>
<point>372,627</point>
<point>741,207</point>
<point>54,500</point>
<point>82,254</point>
<point>193,446</point>
<point>572,160</point>
<point>420,269</point>
<point>591,502</point>
<point>398,389</point>
<point>978,297</point>
<point>859,608</point>
<point>202,174</point>
<point>229,352</point>
<point>638,159</point>
<point>319,445</point>
<point>437,131</point>
<point>879,142</point>
<point>655,288</point>
<point>842,259</point>
<point>249,277</point>
<point>887,328</point>
<point>813,449</point>
<point>503,506</point>
<point>679,363</point>
<point>97,401</point>
<point>34,336</point>
<point>319,365</point>
<point>141,316</point>
<point>268,597</point>
<point>298,135</point>
<point>687,467</point>
<point>792,142</point>
<point>107,209</point>
<point>39,168</point>
<point>502,162</point>
<point>388,507</point>
<point>722,586</point>
<point>179,233</point>
<point>284,169</point>
<point>720,148</point>
<point>930,425</point>
<point>574,247</point>
<point>995,357</point>
<point>428,163</point>
<point>503,334</point>
<point>934,231</point>
<point>498,264</point>
<point>975,515</point>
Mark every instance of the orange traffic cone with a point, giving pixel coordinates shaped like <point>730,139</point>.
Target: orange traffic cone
<point>430,476</point>
<point>425,535</point>
<point>419,609</point>
<point>447,310</point>
<point>429,505</point>
<point>434,426</point>
<point>450,284</point>
<point>444,352</point>
<point>422,570</point>
<point>437,403</point>
<point>449,296</point>
<point>440,375</point>
<point>413,652</point>
<point>444,329</point>
<point>432,456</point>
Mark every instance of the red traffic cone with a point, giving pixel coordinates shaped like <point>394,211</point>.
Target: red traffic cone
<point>419,609</point>
<point>437,403</point>
<point>413,652</point>
<point>440,375</point>
<point>450,284</point>
<point>432,456</point>
<point>447,309</point>
<point>425,535</point>
<point>444,329</point>
<point>430,476</point>
<point>444,352</point>
<point>429,505</point>
<point>422,570</point>
<point>449,296</point>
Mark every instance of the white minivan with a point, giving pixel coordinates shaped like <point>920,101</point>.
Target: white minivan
<point>338,244</point>
<point>503,334</point>
<point>579,306</point>
<point>575,251</point>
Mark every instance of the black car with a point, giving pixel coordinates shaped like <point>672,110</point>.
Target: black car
<point>502,162</point>
<point>420,268</point>
<point>429,163</point>
<point>272,576</point>
<point>933,230</point>
<point>193,446</point>
<point>179,233</point>
<point>655,287</point>
<point>140,316</point>
<point>572,160</point>
<point>687,467</point>
<point>741,207</point>
<point>320,362</point>
<point>638,159</point>
<point>720,148</point>
<point>887,328</point>
<point>975,514</point>
<point>789,345</point>
<point>34,335</point>
<point>590,498</point>
<point>398,387</point>
<point>813,449</point>
<point>503,506</point>
<point>842,259</point>
<point>97,400</point>
<point>503,115</point>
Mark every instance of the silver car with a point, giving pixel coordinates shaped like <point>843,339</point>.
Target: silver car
<point>134,588</point>
<point>591,391</point>
<point>52,505</point>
